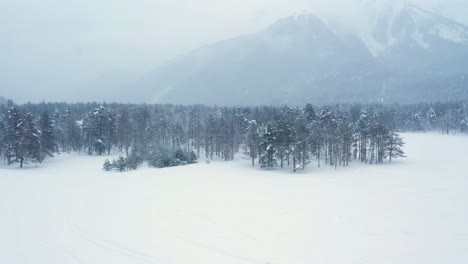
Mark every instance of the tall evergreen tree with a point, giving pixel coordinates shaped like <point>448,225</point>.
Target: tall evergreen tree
<point>394,146</point>
<point>124,129</point>
<point>72,131</point>
<point>47,135</point>
<point>252,140</point>
<point>268,146</point>
<point>29,148</point>
<point>12,135</point>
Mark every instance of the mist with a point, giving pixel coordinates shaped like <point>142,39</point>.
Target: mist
<point>70,50</point>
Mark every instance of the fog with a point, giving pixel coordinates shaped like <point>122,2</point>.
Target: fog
<point>83,50</point>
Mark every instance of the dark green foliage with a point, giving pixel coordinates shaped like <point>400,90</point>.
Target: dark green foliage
<point>268,147</point>
<point>71,132</point>
<point>29,147</point>
<point>165,135</point>
<point>108,166</point>
<point>134,160</point>
<point>12,135</point>
<point>100,134</point>
<point>120,164</point>
<point>185,157</point>
<point>393,147</point>
<point>162,158</point>
<point>252,140</point>
<point>47,136</point>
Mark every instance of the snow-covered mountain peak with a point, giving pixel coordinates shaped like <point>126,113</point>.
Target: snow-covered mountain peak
<point>386,24</point>
<point>380,25</point>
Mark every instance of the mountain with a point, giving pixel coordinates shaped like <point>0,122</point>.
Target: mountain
<point>396,52</point>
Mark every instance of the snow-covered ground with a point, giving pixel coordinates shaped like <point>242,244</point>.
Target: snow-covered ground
<point>412,211</point>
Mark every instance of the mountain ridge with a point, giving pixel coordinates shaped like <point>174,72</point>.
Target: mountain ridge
<point>303,58</point>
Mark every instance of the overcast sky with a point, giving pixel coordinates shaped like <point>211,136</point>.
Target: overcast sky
<point>60,49</point>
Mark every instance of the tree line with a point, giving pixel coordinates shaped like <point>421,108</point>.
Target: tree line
<point>168,135</point>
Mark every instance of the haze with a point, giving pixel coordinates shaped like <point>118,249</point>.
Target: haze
<point>83,50</point>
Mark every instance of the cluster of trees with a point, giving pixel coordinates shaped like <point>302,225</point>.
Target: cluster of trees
<point>447,118</point>
<point>24,139</point>
<point>333,136</point>
<point>167,135</point>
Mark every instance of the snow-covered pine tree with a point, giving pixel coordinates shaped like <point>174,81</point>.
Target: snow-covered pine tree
<point>300,151</point>
<point>47,135</point>
<point>285,135</point>
<point>108,166</point>
<point>226,136</point>
<point>124,130</point>
<point>378,134</point>
<point>268,146</point>
<point>252,140</point>
<point>141,117</point>
<point>345,140</point>
<point>211,132</point>
<point>362,130</point>
<point>316,132</point>
<point>330,127</point>
<point>110,136</point>
<point>96,130</point>
<point>12,135</point>
<point>120,164</point>
<point>71,131</point>
<point>431,118</point>
<point>58,119</point>
<point>2,136</point>
<point>394,146</point>
<point>29,148</point>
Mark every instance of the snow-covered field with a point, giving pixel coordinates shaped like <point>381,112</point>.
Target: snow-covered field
<point>412,211</point>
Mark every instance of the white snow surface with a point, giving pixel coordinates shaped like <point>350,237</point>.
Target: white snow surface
<point>411,211</point>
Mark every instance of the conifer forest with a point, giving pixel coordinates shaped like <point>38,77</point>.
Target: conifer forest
<point>171,135</point>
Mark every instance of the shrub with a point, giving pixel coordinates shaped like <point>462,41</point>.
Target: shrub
<point>162,158</point>
<point>108,166</point>
<point>133,160</point>
<point>120,164</point>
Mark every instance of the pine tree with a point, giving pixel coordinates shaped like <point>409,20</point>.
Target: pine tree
<point>268,147</point>
<point>362,135</point>
<point>2,137</point>
<point>110,136</point>
<point>108,166</point>
<point>71,131</point>
<point>431,118</point>
<point>47,135</point>
<point>301,143</point>
<point>120,164</point>
<point>252,140</point>
<point>393,146</point>
<point>97,130</point>
<point>124,130</point>
<point>29,148</point>
<point>284,136</point>
<point>141,117</point>
<point>12,135</point>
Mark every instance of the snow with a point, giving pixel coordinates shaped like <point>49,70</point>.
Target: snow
<point>375,47</point>
<point>422,23</point>
<point>455,34</point>
<point>418,37</point>
<point>70,211</point>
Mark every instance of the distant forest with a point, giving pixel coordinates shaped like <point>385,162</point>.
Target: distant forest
<point>172,135</point>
